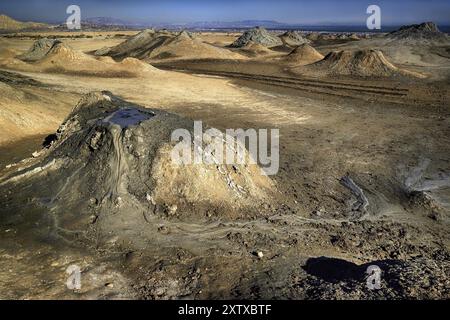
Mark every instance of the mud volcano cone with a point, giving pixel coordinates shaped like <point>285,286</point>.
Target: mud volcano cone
<point>293,38</point>
<point>257,35</point>
<point>58,57</point>
<point>423,33</point>
<point>304,54</point>
<point>162,44</point>
<point>136,46</point>
<point>113,160</point>
<point>363,63</point>
<point>39,49</point>
<point>62,53</point>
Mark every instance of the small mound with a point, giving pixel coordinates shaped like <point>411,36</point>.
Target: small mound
<point>257,35</point>
<point>133,64</point>
<point>61,54</point>
<point>354,36</point>
<point>303,55</point>
<point>313,36</point>
<point>293,38</point>
<point>326,37</point>
<point>185,35</point>
<point>255,49</point>
<point>38,50</point>
<point>141,37</point>
<point>424,32</point>
<point>363,63</point>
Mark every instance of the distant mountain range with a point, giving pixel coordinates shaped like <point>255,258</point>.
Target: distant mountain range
<point>202,25</point>
<point>245,24</point>
<point>105,21</point>
<point>112,23</point>
<point>109,23</point>
<point>235,25</point>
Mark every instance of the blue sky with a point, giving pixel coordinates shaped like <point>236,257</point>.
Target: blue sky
<point>308,12</point>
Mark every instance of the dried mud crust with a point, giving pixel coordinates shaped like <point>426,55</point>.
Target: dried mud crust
<point>281,269</point>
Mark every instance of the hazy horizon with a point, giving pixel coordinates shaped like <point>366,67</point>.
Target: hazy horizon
<point>319,12</point>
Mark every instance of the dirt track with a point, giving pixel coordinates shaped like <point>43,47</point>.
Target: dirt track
<point>308,84</point>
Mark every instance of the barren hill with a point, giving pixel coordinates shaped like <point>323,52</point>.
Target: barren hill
<point>8,23</point>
